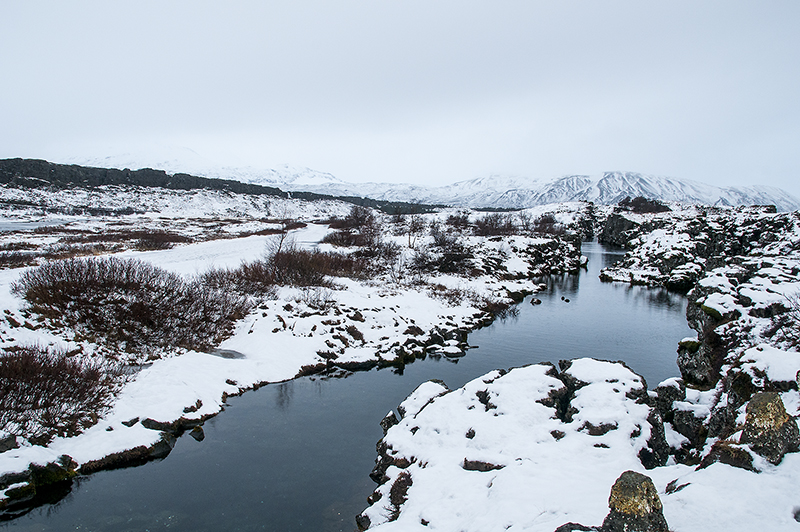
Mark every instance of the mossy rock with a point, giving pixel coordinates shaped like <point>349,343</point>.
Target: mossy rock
<point>21,493</point>
<point>712,312</point>
<point>53,472</point>
<point>690,346</point>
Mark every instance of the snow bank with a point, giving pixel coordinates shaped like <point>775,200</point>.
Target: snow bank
<point>493,456</point>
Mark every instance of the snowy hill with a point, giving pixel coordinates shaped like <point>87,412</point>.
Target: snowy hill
<point>499,191</point>
<point>610,188</point>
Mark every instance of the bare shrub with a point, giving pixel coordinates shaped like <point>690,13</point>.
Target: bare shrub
<point>642,205</point>
<point>318,298</point>
<point>142,240</point>
<point>46,393</point>
<point>444,239</point>
<point>785,326</point>
<point>154,240</point>
<point>310,267</point>
<point>129,304</point>
<point>17,246</point>
<point>416,228</point>
<point>353,331</point>
<point>451,255</point>
<point>359,228</point>
<point>16,259</point>
<point>525,221</point>
<point>460,220</point>
<point>252,279</point>
<point>495,224</point>
<point>344,238</point>
<point>547,224</point>
<point>286,266</point>
<point>421,260</point>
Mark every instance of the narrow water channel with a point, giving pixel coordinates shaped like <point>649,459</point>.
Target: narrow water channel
<point>296,456</point>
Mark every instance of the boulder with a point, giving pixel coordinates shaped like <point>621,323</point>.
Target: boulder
<point>728,453</point>
<point>666,394</point>
<point>686,423</point>
<point>656,453</point>
<point>389,421</point>
<point>8,443</point>
<point>768,429</point>
<point>635,506</point>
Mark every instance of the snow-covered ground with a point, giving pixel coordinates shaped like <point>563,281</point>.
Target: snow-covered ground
<point>352,324</point>
<point>511,463</point>
<point>530,449</point>
<point>501,454</point>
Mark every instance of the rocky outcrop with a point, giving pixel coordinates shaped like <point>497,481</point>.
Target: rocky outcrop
<point>634,507</point>
<point>768,429</point>
<point>676,249</point>
<point>441,431</point>
<point>30,488</point>
<point>618,230</point>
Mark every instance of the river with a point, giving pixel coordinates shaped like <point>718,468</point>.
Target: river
<point>296,456</point>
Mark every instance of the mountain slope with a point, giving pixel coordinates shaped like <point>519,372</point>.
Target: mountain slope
<point>493,191</point>
<point>610,188</point>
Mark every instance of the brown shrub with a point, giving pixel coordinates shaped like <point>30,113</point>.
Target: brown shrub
<point>45,393</point>
<point>129,304</point>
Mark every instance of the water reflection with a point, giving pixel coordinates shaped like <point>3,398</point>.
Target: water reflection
<point>296,455</point>
<point>283,397</point>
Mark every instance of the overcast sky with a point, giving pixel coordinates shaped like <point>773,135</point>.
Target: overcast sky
<point>422,91</point>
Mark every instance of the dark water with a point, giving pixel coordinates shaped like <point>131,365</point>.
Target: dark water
<point>296,456</point>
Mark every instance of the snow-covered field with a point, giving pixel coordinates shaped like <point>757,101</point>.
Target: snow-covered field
<point>352,323</point>
<point>530,449</point>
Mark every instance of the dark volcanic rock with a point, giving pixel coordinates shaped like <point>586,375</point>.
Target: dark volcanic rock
<point>666,395</point>
<point>634,505</point>
<point>768,429</point>
<point>656,453</point>
<point>8,443</point>
<point>691,426</point>
<point>477,465</point>
<point>730,454</point>
<point>618,230</point>
<point>388,421</point>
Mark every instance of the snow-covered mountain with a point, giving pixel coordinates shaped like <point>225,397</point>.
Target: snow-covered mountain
<point>498,191</point>
<point>609,188</point>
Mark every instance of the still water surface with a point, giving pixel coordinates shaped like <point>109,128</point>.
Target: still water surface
<point>296,456</point>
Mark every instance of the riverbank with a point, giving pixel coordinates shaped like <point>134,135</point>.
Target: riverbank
<point>463,459</point>
<point>351,324</point>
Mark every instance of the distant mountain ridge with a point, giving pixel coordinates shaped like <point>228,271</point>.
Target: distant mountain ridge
<point>493,191</point>
<point>608,189</point>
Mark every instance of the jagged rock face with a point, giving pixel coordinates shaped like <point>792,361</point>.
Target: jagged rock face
<point>635,506</point>
<point>768,429</point>
<point>697,368</point>
<point>618,230</point>
<point>676,249</point>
